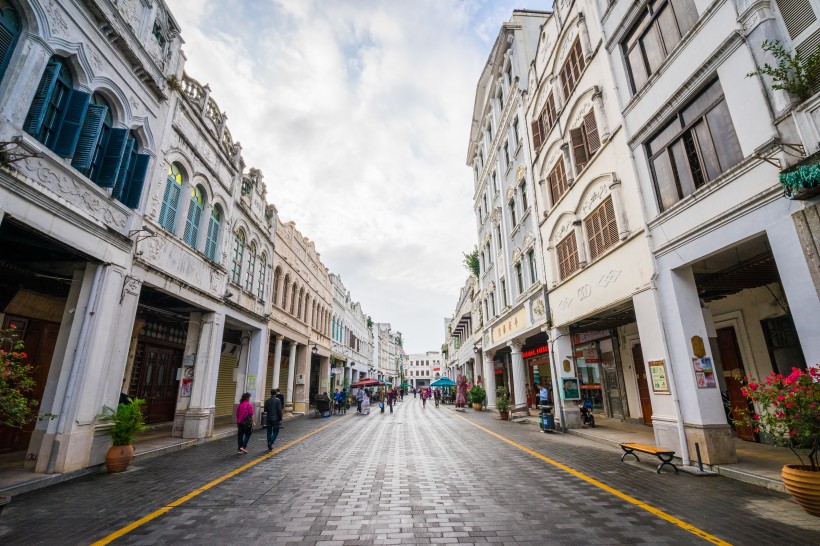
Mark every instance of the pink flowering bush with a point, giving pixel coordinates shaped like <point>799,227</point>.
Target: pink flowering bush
<point>16,381</point>
<point>789,410</point>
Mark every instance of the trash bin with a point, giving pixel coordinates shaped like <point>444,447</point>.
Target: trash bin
<point>546,420</point>
<point>264,421</point>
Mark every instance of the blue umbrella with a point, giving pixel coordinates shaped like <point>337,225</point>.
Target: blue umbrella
<point>443,382</point>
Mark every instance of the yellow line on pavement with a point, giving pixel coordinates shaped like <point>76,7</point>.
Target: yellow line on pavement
<point>155,514</point>
<point>651,509</point>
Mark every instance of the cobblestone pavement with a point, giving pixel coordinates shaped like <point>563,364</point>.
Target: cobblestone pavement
<point>419,475</point>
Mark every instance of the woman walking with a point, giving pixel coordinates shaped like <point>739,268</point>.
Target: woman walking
<point>244,422</point>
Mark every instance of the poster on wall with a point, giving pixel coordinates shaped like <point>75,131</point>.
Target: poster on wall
<point>187,386</point>
<point>704,372</point>
<point>569,386</point>
<point>657,370</point>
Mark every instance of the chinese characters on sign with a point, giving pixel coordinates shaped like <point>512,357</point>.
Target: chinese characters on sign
<point>512,324</point>
<point>657,371</point>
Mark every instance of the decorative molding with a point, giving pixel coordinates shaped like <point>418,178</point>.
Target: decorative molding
<point>57,22</point>
<point>565,303</point>
<point>529,241</point>
<point>584,292</point>
<point>538,309</point>
<point>510,193</point>
<point>594,197</point>
<point>562,229</point>
<point>609,278</point>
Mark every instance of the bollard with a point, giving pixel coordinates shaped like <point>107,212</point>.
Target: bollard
<point>700,462</point>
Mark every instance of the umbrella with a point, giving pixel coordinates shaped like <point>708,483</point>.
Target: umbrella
<point>365,383</point>
<point>405,385</point>
<point>388,383</point>
<point>443,382</point>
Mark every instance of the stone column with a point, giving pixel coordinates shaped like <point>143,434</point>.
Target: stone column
<point>562,352</point>
<point>583,32</point>
<point>280,286</point>
<point>324,374</point>
<point>257,366</point>
<point>488,367</point>
<point>578,227</point>
<point>277,361</point>
<point>191,344</point>
<point>569,164</point>
<point>287,296</point>
<point>519,376</point>
<point>242,368</point>
<point>199,418</point>
<point>600,114</point>
<point>618,205</point>
<point>291,375</point>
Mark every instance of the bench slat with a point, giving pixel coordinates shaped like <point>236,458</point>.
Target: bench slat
<point>646,449</point>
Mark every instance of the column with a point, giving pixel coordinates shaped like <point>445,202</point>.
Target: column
<point>618,205</point>
<point>277,361</point>
<point>242,368</point>
<point>199,418</point>
<point>569,164</point>
<point>257,365</point>
<point>519,376</point>
<point>291,376</point>
<point>188,363</point>
<point>301,392</point>
<point>489,378</point>
<point>600,114</point>
<point>280,282</point>
<point>583,31</point>
<point>579,240</point>
<point>561,351</point>
<point>324,374</point>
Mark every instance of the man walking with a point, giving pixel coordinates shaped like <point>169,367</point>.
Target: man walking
<point>359,398</point>
<point>391,394</point>
<point>273,407</point>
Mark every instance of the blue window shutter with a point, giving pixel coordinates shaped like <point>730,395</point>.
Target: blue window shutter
<point>213,238</point>
<point>7,39</point>
<point>69,129</point>
<point>89,136</point>
<point>123,171</point>
<point>39,105</point>
<point>110,167</point>
<point>173,204</point>
<point>166,195</point>
<point>190,226</point>
<point>195,223</point>
<point>131,197</point>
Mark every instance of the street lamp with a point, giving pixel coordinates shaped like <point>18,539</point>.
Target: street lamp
<point>314,349</point>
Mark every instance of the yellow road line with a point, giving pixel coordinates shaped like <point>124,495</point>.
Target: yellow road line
<point>651,509</point>
<point>155,514</point>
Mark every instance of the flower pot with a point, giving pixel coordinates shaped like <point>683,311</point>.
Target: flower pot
<point>504,414</point>
<point>476,406</point>
<point>118,458</point>
<point>804,486</point>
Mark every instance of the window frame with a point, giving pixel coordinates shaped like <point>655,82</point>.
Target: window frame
<point>238,255</point>
<point>572,68</point>
<point>566,252</point>
<point>601,227</point>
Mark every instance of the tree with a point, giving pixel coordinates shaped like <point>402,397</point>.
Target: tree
<point>471,262</point>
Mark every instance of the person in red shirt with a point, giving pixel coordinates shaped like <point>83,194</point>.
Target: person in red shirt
<point>244,422</point>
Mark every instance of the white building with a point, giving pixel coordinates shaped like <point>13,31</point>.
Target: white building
<point>463,336</point>
<point>388,355</point>
<point>352,340</point>
<point>424,368</point>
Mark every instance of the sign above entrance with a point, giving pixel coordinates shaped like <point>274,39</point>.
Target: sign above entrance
<point>583,337</point>
<point>514,323</point>
<point>535,352</point>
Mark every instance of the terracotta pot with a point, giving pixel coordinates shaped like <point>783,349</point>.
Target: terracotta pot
<point>505,415</point>
<point>477,406</point>
<point>118,458</point>
<point>804,486</point>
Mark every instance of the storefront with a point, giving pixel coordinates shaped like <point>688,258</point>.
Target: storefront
<point>599,372</point>
<point>537,361</point>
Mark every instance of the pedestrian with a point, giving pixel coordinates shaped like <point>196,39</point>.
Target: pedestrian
<point>391,394</point>
<point>414,392</point>
<point>365,403</point>
<point>436,396</point>
<point>244,422</point>
<point>381,400</point>
<point>273,407</point>
<point>423,398</point>
<point>544,395</point>
<point>343,399</point>
<point>529,396</point>
<point>281,398</point>
<point>359,399</point>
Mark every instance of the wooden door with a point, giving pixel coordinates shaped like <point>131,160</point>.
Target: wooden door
<point>643,384</point>
<point>39,339</point>
<point>155,380</point>
<point>733,374</point>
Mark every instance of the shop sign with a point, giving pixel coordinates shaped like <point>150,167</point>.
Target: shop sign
<point>704,372</point>
<point>535,352</point>
<point>590,355</point>
<point>657,370</point>
<point>591,336</point>
<point>569,388</point>
<point>514,323</point>
<point>436,369</point>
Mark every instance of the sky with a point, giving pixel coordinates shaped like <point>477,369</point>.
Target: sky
<point>358,114</point>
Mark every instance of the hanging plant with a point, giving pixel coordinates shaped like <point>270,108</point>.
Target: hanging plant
<point>793,72</point>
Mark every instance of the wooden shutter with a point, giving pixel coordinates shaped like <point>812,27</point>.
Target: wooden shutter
<point>122,173</point>
<point>557,181</point>
<point>567,256</point>
<point>591,131</point>
<point>797,15</point>
<point>112,157</point>
<point>601,228</point>
<point>579,148</point>
<point>536,134</point>
<point>39,105</point>
<point>72,121</point>
<point>131,197</point>
<point>549,110</point>
<point>89,136</point>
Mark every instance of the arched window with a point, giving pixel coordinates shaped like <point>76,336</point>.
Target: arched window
<point>293,298</point>
<point>285,292</point>
<point>51,101</point>
<point>194,216</point>
<point>87,159</point>
<point>9,32</point>
<point>212,240</point>
<point>299,305</point>
<point>277,273</point>
<point>263,267</point>
<point>170,199</point>
<point>238,253</point>
<point>251,267</point>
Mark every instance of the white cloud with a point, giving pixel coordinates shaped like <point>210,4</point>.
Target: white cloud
<point>358,113</point>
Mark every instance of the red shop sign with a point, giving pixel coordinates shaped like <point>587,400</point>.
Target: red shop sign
<point>535,352</point>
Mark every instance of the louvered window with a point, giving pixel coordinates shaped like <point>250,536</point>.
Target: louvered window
<point>251,267</point>
<point>170,197</point>
<point>513,219</point>
<point>557,181</point>
<point>195,208</point>
<point>524,202</point>
<point>212,240</point>
<point>802,21</point>
<point>585,141</point>
<point>238,255</point>
<point>601,228</point>
<point>567,251</point>
<point>572,68</point>
<point>532,264</point>
<point>660,28</point>
<point>9,32</point>
<point>48,108</point>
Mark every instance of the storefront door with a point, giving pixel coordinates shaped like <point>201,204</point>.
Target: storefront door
<point>155,380</point>
<point>643,384</point>
<point>733,374</point>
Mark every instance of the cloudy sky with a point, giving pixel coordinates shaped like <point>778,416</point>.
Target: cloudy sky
<point>358,113</point>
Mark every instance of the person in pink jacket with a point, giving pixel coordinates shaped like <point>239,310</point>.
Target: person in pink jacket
<point>244,422</point>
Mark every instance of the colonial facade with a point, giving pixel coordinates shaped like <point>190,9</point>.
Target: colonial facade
<point>511,285</point>
<point>351,339</point>
<point>424,368</point>
<point>463,336</point>
<point>388,355</point>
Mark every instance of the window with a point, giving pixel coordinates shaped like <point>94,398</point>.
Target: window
<point>498,235</point>
<point>495,183</point>
<point>508,72</point>
<point>490,131</point>
<point>9,32</point>
<point>195,208</point>
<point>507,156</point>
<point>655,35</point>
<point>533,268</point>
<point>524,204</point>
<point>504,293</point>
<point>158,35</point>
<point>567,251</point>
<point>238,254</point>
<point>251,267</point>
<point>543,123</point>
<point>500,100</point>
<point>212,239</point>
<point>585,141</point>
<point>48,109</point>
<point>492,303</point>
<point>519,277</point>
<point>572,68</point>
<point>557,182</point>
<point>263,268</point>
<point>486,206</point>
<point>800,17</point>
<point>516,135</point>
<point>513,219</point>
<point>601,227</point>
<point>170,198</point>
<point>277,273</point>
<point>695,147</point>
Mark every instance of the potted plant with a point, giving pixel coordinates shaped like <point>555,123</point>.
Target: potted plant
<point>788,410</point>
<point>128,420</point>
<point>477,395</point>
<point>502,403</point>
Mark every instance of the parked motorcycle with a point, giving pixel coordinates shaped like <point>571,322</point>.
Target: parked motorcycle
<point>586,413</point>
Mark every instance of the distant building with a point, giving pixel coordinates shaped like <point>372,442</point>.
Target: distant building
<point>424,368</point>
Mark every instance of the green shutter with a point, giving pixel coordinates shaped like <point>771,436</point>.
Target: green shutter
<point>123,170</point>
<point>68,132</point>
<point>112,157</point>
<point>131,197</point>
<point>7,39</point>
<point>39,105</point>
<point>89,136</point>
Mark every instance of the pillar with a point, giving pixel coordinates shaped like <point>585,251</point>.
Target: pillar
<point>188,364</point>
<point>277,361</point>
<point>324,374</point>
<point>618,204</point>
<point>577,226</point>
<point>569,164</point>
<point>257,366</point>
<point>600,114</point>
<point>519,376</point>
<point>242,369</point>
<point>583,32</point>
<point>562,351</point>
<point>199,419</point>
<point>291,375</point>
<point>489,378</point>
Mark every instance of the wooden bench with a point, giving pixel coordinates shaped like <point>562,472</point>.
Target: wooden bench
<point>663,455</point>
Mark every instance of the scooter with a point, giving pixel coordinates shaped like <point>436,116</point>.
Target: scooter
<point>586,413</point>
